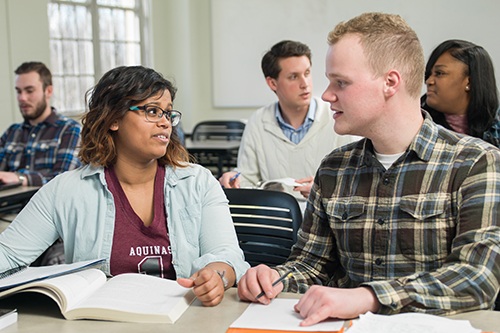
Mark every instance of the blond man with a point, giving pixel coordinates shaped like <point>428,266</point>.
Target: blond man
<point>404,220</point>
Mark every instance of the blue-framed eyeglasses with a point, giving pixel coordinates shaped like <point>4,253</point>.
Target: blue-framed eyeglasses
<point>154,113</point>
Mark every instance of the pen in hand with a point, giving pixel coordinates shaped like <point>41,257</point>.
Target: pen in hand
<point>284,276</point>
<point>234,177</point>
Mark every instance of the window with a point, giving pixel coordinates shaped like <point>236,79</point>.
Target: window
<point>90,37</point>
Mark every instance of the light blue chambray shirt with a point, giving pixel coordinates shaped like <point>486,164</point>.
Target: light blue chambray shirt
<point>295,135</point>
<point>78,207</point>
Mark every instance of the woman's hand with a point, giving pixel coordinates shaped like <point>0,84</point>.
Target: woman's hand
<point>207,284</point>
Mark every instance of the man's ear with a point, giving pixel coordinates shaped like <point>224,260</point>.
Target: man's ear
<point>392,83</point>
<point>271,83</point>
<point>114,126</point>
<point>48,91</point>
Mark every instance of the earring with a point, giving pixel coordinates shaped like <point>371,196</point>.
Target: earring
<point>467,88</point>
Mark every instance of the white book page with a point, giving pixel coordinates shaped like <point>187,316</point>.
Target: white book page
<point>410,323</point>
<point>137,293</point>
<point>285,181</point>
<point>280,315</point>
<point>74,287</point>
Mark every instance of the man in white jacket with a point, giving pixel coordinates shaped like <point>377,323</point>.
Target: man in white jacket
<point>290,137</point>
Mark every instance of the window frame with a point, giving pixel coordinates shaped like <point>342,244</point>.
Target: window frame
<point>141,9</point>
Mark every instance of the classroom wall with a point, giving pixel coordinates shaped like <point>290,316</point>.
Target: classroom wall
<point>182,51</point>
<point>183,42</point>
<point>24,36</point>
<point>258,24</point>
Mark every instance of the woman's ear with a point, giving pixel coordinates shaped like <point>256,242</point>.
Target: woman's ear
<point>114,126</point>
<point>467,85</point>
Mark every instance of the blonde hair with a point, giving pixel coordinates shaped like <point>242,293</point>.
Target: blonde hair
<point>388,43</point>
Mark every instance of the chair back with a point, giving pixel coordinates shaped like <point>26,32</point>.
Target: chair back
<point>218,130</point>
<point>266,223</point>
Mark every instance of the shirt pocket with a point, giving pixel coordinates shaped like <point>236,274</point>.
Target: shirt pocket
<point>346,225</point>
<point>428,235</point>
<point>46,153</point>
<point>12,150</point>
<point>190,217</point>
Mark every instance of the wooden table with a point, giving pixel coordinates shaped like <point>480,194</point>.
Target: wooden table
<point>38,313</point>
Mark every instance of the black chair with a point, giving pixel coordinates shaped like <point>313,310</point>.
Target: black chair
<point>266,223</point>
<point>218,130</point>
<point>213,131</point>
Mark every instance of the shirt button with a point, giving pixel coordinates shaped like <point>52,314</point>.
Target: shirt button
<point>378,261</point>
<point>33,135</point>
<point>28,151</point>
<point>386,181</point>
<point>344,216</point>
<point>380,221</point>
<point>27,167</point>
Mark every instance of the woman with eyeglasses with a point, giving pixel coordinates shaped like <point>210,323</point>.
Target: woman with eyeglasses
<point>461,90</point>
<point>136,201</point>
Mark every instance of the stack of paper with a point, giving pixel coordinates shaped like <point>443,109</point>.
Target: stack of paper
<point>410,323</point>
<point>280,315</point>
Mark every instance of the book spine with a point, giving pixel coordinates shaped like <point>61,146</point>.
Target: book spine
<point>12,271</point>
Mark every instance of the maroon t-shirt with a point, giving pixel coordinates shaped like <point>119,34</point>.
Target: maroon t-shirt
<point>137,248</point>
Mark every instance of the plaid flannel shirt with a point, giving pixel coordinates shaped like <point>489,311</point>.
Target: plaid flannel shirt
<point>42,151</point>
<point>492,135</point>
<point>424,234</point>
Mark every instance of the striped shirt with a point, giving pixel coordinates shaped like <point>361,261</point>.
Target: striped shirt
<point>295,135</point>
<point>42,151</point>
<point>423,234</point>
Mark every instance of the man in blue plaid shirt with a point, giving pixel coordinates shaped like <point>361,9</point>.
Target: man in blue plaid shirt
<point>45,144</point>
<point>407,219</point>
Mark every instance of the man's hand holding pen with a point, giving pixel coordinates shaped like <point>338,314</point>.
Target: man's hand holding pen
<point>317,304</point>
<point>257,280</point>
<point>230,179</point>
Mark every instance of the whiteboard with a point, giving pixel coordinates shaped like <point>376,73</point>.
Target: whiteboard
<point>242,31</point>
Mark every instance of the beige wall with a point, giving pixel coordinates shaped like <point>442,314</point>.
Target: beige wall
<point>181,44</point>
<point>24,36</point>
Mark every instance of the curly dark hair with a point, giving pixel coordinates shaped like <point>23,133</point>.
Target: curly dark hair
<point>110,100</point>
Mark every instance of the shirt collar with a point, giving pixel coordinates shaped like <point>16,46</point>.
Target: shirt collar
<point>171,174</point>
<point>311,113</point>
<point>423,143</point>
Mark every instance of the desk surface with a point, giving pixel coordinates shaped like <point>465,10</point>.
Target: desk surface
<point>20,190</point>
<point>212,145</point>
<point>15,198</point>
<point>39,313</point>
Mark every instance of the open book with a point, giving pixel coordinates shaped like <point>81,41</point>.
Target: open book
<point>274,184</point>
<point>87,294</point>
